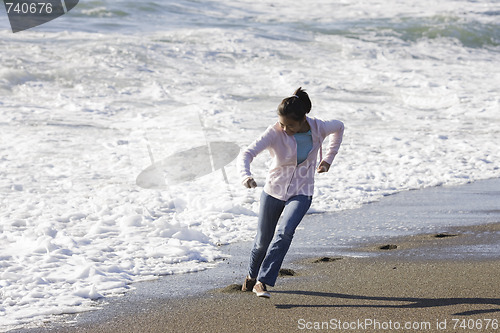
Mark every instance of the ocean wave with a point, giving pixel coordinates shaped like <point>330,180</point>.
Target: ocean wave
<point>471,34</point>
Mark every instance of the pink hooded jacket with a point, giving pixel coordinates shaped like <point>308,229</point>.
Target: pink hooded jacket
<point>285,178</point>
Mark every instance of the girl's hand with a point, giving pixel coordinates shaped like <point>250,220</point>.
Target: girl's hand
<point>250,183</point>
<point>323,167</point>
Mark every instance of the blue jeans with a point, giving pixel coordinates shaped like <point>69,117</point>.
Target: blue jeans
<point>265,261</point>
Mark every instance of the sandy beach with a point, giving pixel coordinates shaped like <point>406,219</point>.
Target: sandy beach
<point>395,290</point>
<point>442,280</point>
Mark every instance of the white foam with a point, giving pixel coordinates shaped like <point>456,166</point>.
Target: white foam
<point>79,110</point>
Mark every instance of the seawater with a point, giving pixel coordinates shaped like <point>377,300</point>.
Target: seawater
<point>87,100</point>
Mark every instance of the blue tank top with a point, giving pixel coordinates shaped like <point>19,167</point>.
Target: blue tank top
<point>304,145</point>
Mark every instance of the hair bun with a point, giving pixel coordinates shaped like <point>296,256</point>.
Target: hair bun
<point>304,98</point>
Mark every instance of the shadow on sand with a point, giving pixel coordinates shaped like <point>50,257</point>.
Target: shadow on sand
<point>412,302</point>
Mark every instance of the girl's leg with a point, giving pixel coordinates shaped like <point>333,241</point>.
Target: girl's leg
<point>295,209</point>
<point>269,214</point>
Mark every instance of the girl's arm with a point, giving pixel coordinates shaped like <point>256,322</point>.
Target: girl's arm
<point>335,128</point>
<point>247,155</point>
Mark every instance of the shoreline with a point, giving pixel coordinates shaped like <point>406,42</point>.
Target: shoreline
<point>437,294</point>
<point>318,290</point>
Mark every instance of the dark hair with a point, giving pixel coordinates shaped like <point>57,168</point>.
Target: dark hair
<point>296,106</point>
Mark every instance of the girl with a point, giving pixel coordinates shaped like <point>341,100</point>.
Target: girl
<point>293,142</point>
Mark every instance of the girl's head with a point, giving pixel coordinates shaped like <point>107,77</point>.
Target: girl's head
<point>292,111</point>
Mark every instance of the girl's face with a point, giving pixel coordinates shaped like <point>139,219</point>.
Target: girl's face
<point>290,126</point>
